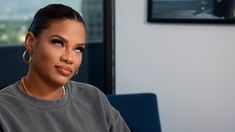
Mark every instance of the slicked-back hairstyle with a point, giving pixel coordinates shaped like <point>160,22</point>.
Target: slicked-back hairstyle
<point>53,12</point>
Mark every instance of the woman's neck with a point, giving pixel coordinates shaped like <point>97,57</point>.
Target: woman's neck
<point>37,87</point>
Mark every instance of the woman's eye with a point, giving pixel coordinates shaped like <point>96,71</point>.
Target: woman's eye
<point>79,49</point>
<point>58,42</point>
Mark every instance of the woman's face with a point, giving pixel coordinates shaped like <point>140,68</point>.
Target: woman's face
<point>57,52</point>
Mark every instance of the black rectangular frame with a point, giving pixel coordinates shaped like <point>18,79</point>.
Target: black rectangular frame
<point>210,9</point>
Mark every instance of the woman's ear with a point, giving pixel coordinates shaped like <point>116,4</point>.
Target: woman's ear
<point>30,41</point>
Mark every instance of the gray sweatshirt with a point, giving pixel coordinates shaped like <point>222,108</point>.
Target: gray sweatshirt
<point>83,109</point>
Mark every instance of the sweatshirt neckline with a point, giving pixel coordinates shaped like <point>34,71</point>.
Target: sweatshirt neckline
<point>41,103</point>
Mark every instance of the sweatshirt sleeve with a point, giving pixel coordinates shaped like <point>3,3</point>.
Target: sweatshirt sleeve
<point>114,119</point>
<point>118,124</point>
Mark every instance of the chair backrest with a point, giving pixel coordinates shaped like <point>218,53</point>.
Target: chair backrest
<point>12,67</point>
<point>140,111</point>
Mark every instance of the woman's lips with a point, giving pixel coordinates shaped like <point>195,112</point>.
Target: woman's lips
<point>63,70</point>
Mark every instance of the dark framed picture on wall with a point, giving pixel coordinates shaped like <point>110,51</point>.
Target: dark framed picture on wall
<point>191,11</point>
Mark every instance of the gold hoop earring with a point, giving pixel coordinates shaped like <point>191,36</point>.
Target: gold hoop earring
<point>27,61</point>
<point>76,72</point>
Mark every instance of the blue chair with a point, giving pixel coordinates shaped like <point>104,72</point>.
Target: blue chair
<point>140,111</point>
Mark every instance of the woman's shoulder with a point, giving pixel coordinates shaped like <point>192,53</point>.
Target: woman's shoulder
<point>72,83</point>
<point>82,87</point>
<point>8,96</point>
<point>8,91</point>
<point>85,91</point>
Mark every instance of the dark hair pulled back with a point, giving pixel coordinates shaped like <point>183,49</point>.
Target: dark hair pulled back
<point>53,12</point>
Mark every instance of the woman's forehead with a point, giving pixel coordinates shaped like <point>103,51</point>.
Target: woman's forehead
<point>68,29</point>
<point>66,26</point>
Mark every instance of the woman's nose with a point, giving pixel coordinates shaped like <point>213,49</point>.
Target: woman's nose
<point>67,57</point>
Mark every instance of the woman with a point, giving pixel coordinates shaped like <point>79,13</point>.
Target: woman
<point>45,100</point>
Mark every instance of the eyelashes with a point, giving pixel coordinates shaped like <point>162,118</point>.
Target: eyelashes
<point>80,49</point>
<point>60,43</point>
<point>57,42</point>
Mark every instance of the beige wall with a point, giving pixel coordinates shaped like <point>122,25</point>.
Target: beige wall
<point>191,68</point>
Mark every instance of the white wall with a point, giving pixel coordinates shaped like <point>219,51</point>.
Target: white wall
<point>190,67</point>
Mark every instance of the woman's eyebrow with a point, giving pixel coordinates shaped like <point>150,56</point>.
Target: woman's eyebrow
<point>80,44</point>
<point>60,37</point>
<point>66,41</point>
